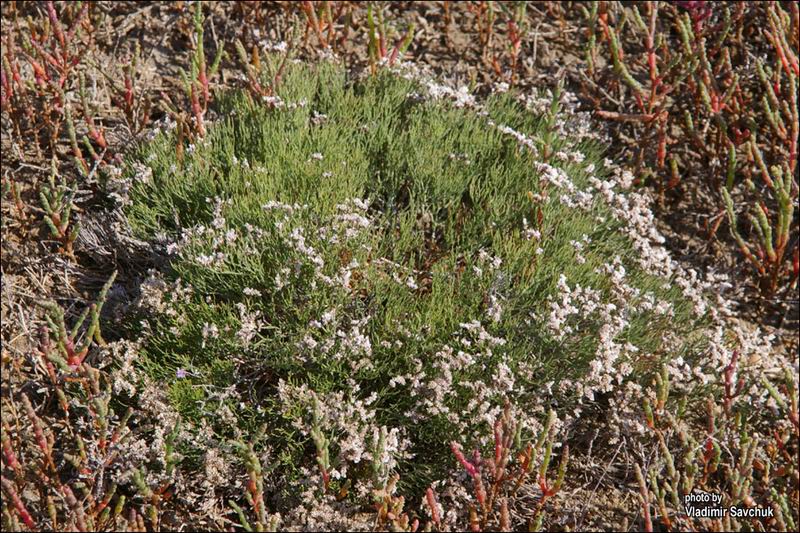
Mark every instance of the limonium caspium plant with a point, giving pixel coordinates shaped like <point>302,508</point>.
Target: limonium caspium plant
<point>368,268</point>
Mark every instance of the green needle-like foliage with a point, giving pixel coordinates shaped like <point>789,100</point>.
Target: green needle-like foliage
<point>446,278</point>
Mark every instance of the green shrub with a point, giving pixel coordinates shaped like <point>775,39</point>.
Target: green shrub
<point>347,256</point>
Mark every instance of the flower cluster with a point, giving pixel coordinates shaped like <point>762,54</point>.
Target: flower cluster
<point>351,419</point>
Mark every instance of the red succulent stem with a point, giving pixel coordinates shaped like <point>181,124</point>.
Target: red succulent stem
<point>19,506</point>
<point>8,453</point>
<point>469,467</point>
<point>431,498</point>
